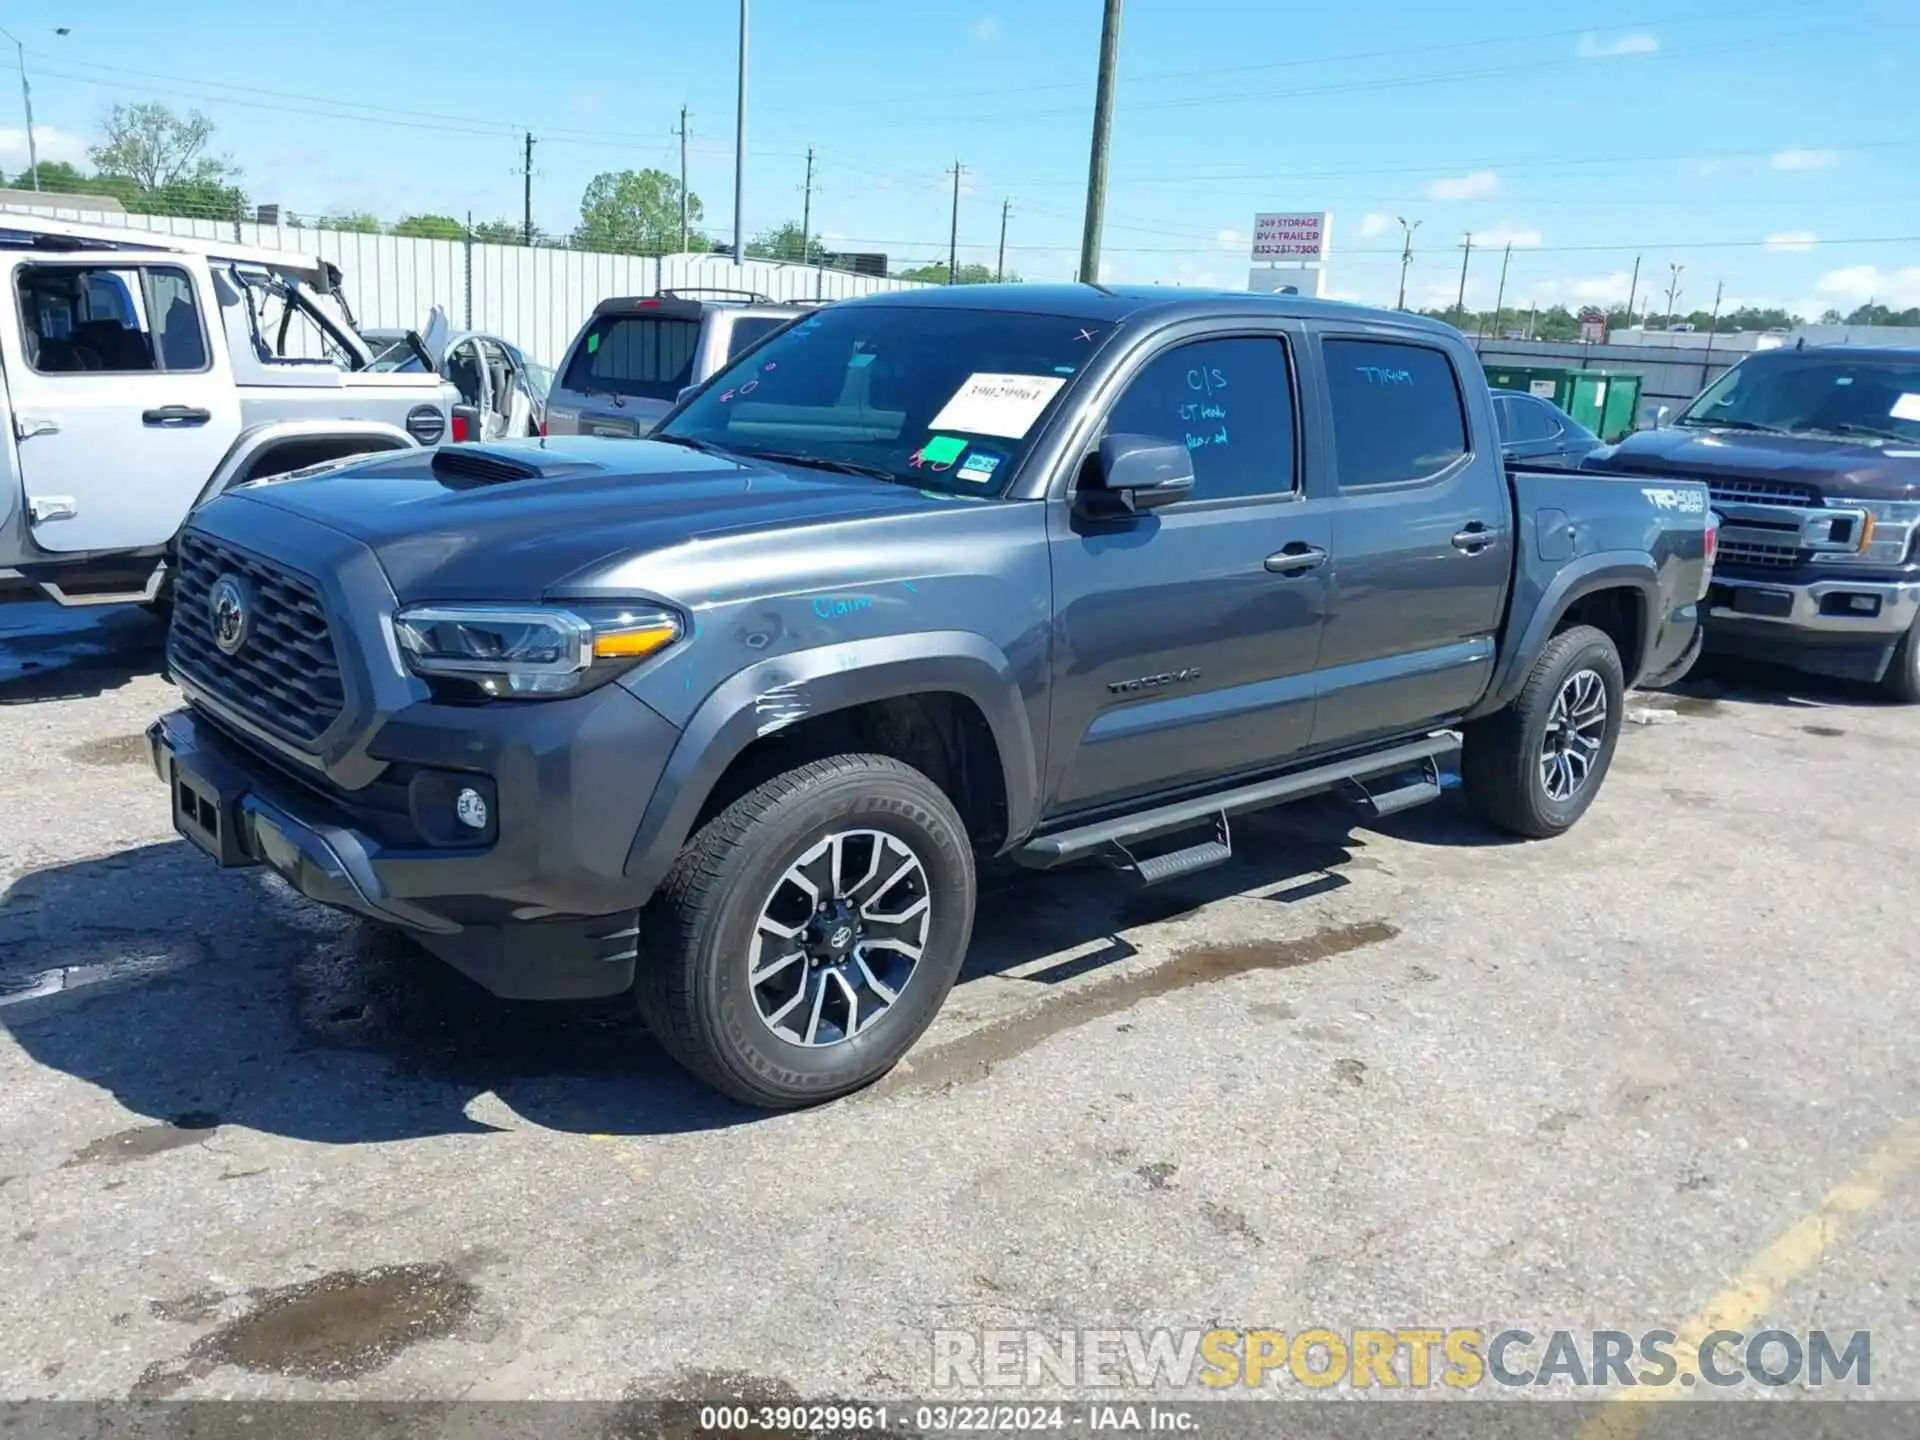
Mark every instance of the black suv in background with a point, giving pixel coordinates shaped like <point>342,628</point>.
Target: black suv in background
<point>1054,573</point>
<point>1812,454</point>
<point>631,360</point>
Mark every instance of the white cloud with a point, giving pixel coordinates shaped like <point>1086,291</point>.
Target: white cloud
<point>1805,160</point>
<point>53,143</point>
<point>1231,240</point>
<point>1373,226</point>
<point>1504,234</point>
<point>1605,47</point>
<point>1477,186</point>
<point>986,29</point>
<point>1793,240</point>
<point>1899,289</point>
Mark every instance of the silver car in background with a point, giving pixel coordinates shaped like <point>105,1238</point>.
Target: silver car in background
<point>633,357</point>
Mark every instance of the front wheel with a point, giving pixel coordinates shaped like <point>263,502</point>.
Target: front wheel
<point>807,934</point>
<point>1902,680</point>
<point>1534,767</point>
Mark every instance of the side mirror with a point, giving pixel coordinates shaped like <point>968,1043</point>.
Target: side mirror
<point>1135,473</point>
<point>1661,415</point>
<point>685,390</point>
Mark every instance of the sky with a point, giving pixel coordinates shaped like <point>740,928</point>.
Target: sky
<point>1769,149</point>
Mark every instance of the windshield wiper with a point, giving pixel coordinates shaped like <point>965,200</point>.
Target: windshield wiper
<point>705,447</point>
<point>1848,427</point>
<point>1694,424</point>
<point>822,462</point>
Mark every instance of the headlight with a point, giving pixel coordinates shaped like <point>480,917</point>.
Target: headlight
<point>1890,530</point>
<point>534,652</point>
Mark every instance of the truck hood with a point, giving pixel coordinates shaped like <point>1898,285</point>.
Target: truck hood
<point>443,533</point>
<point>1833,467</point>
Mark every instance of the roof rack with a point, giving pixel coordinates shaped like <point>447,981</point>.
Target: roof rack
<point>46,234</point>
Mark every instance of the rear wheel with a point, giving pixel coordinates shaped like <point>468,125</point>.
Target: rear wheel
<point>807,934</point>
<point>1534,767</point>
<point>1902,680</point>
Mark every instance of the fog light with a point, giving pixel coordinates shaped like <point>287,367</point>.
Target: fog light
<point>471,807</point>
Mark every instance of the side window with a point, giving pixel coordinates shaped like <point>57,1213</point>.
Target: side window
<point>1503,419</point>
<point>747,329</point>
<point>1230,402</point>
<point>1537,420</point>
<point>1397,411</point>
<point>178,336</point>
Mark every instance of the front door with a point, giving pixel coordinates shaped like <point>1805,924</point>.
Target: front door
<point>123,396</point>
<point>1184,643</point>
<point>1422,542</point>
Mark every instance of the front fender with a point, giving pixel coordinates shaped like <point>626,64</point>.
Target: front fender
<point>775,693</point>
<point>1529,629</point>
<point>379,435</point>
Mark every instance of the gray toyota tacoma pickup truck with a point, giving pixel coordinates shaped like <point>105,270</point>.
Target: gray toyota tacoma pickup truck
<point>730,716</point>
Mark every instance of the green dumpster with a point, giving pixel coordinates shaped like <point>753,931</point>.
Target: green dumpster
<point>1605,401</point>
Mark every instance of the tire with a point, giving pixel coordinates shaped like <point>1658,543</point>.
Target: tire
<point>702,934</point>
<point>1503,769</point>
<point>1902,680</point>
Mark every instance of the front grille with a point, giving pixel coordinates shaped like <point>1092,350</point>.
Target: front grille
<point>286,677</point>
<point>1778,557</point>
<point>1764,492</point>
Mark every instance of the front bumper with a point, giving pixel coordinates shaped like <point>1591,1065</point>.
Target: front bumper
<point>540,910</point>
<point>1835,625</point>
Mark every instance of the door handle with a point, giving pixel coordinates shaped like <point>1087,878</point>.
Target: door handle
<point>25,427</point>
<point>178,415</point>
<point>1296,558</point>
<point>1473,537</point>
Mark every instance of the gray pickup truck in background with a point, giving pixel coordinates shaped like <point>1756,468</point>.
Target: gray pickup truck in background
<point>1812,454</point>
<point>1049,573</point>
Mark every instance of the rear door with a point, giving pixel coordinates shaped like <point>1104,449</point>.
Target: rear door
<point>1184,643</point>
<point>1422,537</point>
<point>123,396</point>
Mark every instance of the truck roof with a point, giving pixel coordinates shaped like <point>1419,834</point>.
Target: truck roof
<point>1111,304</point>
<point>20,231</point>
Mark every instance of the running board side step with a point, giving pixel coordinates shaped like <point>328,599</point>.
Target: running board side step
<point>1410,792</point>
<point>1106,837</point>
<point>1172,864</point>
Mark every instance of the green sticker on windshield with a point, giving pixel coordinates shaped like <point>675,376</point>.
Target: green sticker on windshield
<point>943,450</point>
<point>593,344</point>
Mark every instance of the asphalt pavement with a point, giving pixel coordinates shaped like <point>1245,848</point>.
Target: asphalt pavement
<point>1401,1075</point>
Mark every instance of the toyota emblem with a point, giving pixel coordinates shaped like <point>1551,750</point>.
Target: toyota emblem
<point>230,608</point>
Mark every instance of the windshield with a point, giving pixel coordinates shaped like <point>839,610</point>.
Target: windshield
<point>1861,397</point>
<point>938,399</point>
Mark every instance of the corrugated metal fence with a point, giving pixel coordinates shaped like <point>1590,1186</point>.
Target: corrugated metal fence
<point>536,298</point>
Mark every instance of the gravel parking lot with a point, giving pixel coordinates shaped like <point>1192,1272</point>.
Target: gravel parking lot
<point>1403,1075</point>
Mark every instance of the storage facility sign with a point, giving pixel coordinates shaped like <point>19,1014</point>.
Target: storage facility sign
<point>1290,236</point>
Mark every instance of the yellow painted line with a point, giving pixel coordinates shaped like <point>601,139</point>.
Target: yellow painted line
<point>628,1161</point>
<point>1743,1302</point>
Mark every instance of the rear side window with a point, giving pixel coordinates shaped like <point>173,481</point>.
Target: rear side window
<point>1531,421</point>
<point>648,356</point>
<point>1398,414</point>
<point>747,329</point>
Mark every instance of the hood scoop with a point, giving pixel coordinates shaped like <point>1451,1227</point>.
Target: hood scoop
<point>465,466</point>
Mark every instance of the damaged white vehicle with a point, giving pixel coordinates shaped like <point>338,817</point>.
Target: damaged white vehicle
<point>503,391</point>
<point>146,373</point>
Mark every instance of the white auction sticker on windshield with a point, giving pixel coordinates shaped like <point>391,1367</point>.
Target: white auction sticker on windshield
<point>1005,405</point>
<point>1907,407</point>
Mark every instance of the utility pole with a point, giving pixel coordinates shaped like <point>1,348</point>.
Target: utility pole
<point>1633,288</point>
<point>806,214</point>
<point>1102,136</point>
<point>1533,320</point>
<point>1466,254</point>
<point>1406,259</point>
<point>1000,266</point>
<point>1713,328</point>
<point>953,233</point>
<point>1500,299</point>
<point>740,147</point>
<point>1673,288</point>
<point>683,179</point>
<point>527,236</point>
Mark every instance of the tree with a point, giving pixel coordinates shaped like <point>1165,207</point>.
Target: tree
<point>155,148</point>
<point>785,242</point>
<point>431,227</point>
<point>635,212</point>
<point>500,232</point>
<point>358,222</point>
<point>1832,317</point>
<point>937,274</point>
